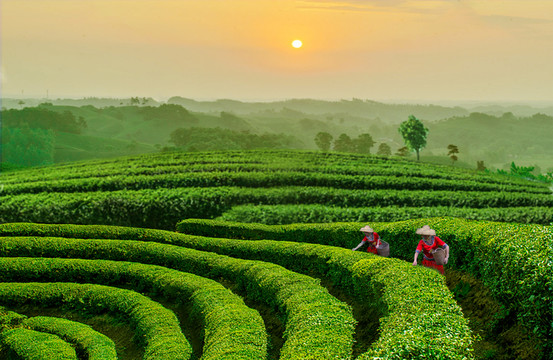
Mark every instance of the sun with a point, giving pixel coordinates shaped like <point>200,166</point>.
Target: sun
<point>297,44</point>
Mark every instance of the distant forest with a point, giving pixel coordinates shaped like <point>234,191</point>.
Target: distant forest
<point>40,133</point>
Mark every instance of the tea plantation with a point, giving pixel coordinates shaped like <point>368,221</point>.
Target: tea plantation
<point>247,255</point>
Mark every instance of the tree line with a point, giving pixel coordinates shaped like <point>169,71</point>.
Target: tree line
<point>413,132</point>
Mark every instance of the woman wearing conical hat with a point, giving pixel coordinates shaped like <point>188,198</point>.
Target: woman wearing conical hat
<point>427,245</point>
<point>371,239</point>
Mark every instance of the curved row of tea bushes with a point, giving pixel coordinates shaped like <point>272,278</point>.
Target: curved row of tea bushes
<point>156,327</point>
<point>156,167</point>
<point>310,314</point>
<point>514,260</point>
<point>260,180</point>
<point>419,314</point>
<point>232,330</point>
<point>21,343</point>
<point>8,318</point>
<point>88,343</point>
<point>260,160</point>
<point>163,208</point>
<point>290,214</point>
<point>92,344</point>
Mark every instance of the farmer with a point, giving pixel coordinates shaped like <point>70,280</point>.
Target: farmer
<point>371,238</point>
<point>427,245</point>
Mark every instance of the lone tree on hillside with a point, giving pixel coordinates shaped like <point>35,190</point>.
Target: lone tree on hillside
<point>453,150</point>
<point>323,140</point>
<point>414,134</point>
<point>384,150</point>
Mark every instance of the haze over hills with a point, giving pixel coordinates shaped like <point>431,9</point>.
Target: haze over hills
<point>495,134</point>
<point>392,110</point>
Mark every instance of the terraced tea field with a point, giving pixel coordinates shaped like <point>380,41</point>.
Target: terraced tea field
<point>272,187</point>
<point>214,289</point>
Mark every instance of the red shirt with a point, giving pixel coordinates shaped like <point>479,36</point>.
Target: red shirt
<point>375,241</point>
<point>426,249</point>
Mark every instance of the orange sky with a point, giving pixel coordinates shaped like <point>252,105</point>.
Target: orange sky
<point>431,50</point>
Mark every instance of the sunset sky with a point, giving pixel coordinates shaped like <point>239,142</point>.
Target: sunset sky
<point>426,50</point>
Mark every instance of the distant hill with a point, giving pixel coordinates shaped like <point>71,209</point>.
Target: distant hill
<point>394,113</point>
<point>114,127</point>
<point>497,140</point>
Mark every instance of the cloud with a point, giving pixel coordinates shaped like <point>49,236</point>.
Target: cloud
<point>418,6</point>
<point>515,20</point>
<point>357,3</point>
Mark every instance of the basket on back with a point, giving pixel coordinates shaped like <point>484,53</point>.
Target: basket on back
<point>439,256</point>
<point>383,249</point>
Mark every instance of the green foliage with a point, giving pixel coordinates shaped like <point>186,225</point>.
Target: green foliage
<point>303,304</point>
<point>452,152</point>
<point>230,328</point>
<point>384,150</point>
<point>480,166</point>
<point>312,316</point>
<point>526,172</point>
<point>323,140</point>
<point>88,342</point>
<point>159,190</point>
<point>363,144</point>
<point>513,260</point>
<point>25,146</point>
<point>288,214</point>
<point>403,151</point>
<point>43,118</point>
<point>414,134</point>
<point>162,208</point>
<point>521,171</point>
<point>343,144</point>
<point>23,343</point>
<point>167,113</point>
<point>156,327</point>
<point>202,139</point>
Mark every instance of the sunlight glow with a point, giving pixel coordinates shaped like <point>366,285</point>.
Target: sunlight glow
<point>297,44</point>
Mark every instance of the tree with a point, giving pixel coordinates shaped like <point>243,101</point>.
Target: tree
<point>522,171</point>
<point>343,143</point>
<point>414,134</point>
<point>480,165</point>
<point>403,152</point>
<point>384,150</point>
<point>363,144</point>
<point>453,150</point>
<point>323,140</point>
<point>27,146</point>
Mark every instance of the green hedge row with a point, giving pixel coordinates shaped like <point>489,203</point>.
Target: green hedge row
<point>163,208</point>
<point>260,180</point>
<point>311,315</point>
<point>513,260</point>
<point>156,327</point>
<point>419,314</point>
<point>92,344</point>
<point>157,166</point>
<point>21,343</point>
<point>289,214</point>
<point>230,329</point>
<point>87,342</point>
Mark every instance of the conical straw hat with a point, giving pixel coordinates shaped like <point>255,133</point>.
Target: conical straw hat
<point>366,228</point>
<point>426,230</point>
